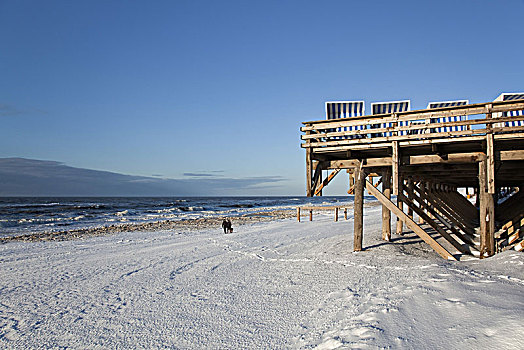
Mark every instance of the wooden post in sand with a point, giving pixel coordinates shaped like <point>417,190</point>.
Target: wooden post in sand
<point>309,173</point>
<point>358,216</point>
<point>486,213</point>
<point>386,213</point>
<point>400,205</point>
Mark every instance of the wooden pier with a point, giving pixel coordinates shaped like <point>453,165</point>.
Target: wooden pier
<point>424,167</point>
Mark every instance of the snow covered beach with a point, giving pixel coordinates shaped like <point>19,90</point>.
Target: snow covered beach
<point>279,284</point>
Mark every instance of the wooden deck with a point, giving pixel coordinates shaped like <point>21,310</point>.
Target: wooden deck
<point>423,165</point>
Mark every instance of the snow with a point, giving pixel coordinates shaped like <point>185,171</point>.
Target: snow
<point>282,284</point>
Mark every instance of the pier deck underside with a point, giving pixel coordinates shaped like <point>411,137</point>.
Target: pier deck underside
<point>465,185</point>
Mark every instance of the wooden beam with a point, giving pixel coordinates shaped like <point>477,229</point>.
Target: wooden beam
<point>410,223</point>
<point>386,213</point>
<point>433,214</point>
<point>369,162</point>
<point>470,157</point>
<point>409,189</point>
<point>395,160</point>
<point>511,155</point>
<point>326,181</point>
<point>358,208</point>
<point>400,205</point>
<point>487,214</point>
<point>449,212</point>
<point>309,172</point>
<point>490,151</point>
<point>317,176</point>
<point>435,226</point>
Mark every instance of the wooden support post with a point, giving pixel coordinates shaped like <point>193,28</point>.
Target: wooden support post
<point>319,192</point>
<point>336,214</point>
<point>345,213</point>
<point>400,205</point>
<point>395,162</point>
<point>386,213</point>
<point>310,214</point>
<point>309,172</point>
<point>358,207</point>
<point>298,214</point>
<point>490,153</point>
<point>409,187</point>
<point>487,214</point>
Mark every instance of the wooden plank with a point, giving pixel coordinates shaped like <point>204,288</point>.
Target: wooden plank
<point>490,107</point>
<point>449,213</point>
<point>410,223</point>
<point>512,155</point>
<point>378,139</point>
<point>298,214</point>
<point>466,206</point>
<point>358,216</point>
<point>434,225</point>
<point>348,164</point>
<point>433,214</point>
<point>444,215</point>
<point>458,207</point>
<point>326,181</point>
<point>318,207</point>
<point>470,157</point>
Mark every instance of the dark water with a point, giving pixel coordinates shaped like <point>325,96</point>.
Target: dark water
<point>22,215</point>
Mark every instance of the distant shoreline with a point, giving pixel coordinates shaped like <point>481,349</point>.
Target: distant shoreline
<point>186,224</point>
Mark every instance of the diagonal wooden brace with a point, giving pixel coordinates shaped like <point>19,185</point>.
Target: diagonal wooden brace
<point>409,222</point>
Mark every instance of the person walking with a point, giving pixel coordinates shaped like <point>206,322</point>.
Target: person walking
<point>225,225</point>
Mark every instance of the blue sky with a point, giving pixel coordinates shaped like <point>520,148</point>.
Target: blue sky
<point>184,88</point>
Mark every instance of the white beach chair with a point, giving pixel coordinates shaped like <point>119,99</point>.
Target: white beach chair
<point>433,105</point>
<point>510,97</point>
<point>386,108</point>
<point>345,109</point>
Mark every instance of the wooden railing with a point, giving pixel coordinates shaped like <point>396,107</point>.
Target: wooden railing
<point>414,127</point>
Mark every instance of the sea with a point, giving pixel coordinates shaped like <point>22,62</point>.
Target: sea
<point>26,215</point>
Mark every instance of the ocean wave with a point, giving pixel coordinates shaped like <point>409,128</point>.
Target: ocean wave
<point>32,205</point>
